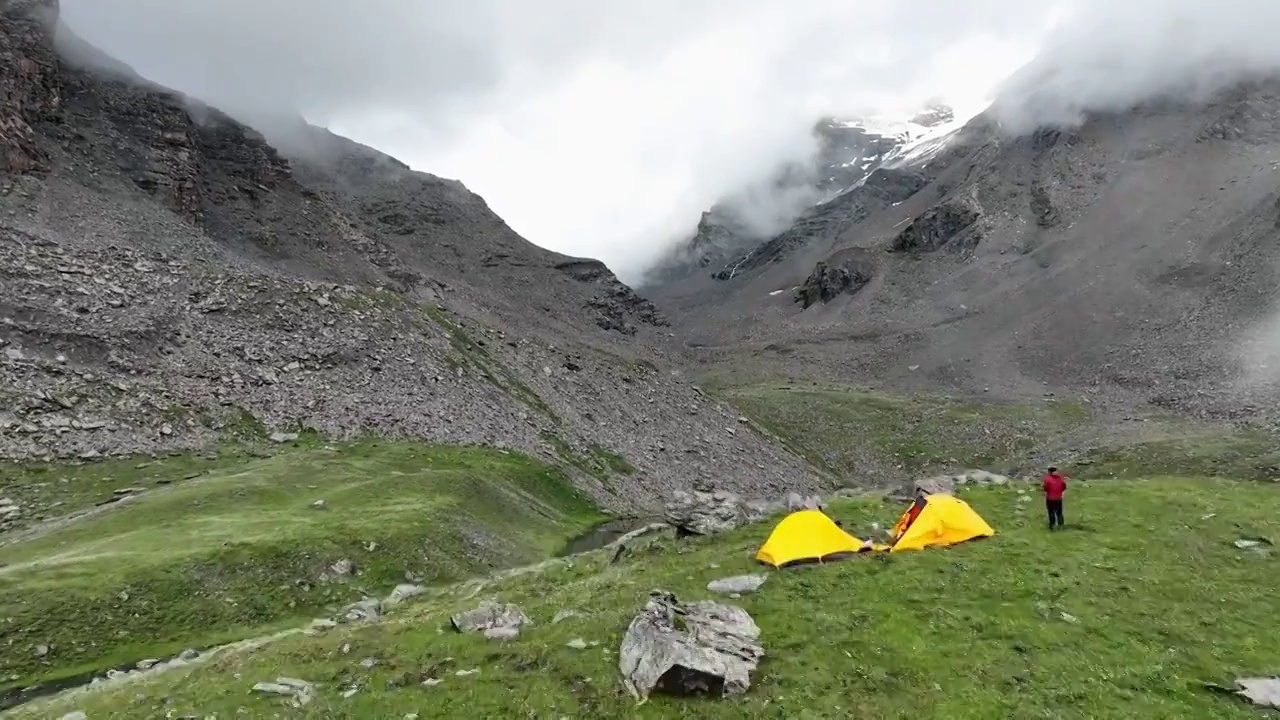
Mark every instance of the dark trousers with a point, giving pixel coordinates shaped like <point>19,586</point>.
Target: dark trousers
<point>1055,512</point>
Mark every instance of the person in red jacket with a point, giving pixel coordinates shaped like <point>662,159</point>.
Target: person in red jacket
<point>1054,486</point>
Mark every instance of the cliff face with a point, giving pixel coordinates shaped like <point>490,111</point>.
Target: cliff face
<point>171,276</point>
<point>31,90</point>
<point>821,193</point>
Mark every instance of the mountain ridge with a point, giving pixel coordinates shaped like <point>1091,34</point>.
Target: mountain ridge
<point>171,275</point>
<point>847,152</point>
<point>990,278</point>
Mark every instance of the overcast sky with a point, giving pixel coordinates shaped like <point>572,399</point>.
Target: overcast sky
<point>604,127</point>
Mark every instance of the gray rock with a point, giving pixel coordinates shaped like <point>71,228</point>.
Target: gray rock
<point>283,437</point>
<point>563,615</point>
<point>490,615</point>
<point>980,477</point>
<point>702,647</point>
<point>938,485</point>
<point>577,644</point>
<point>342,568</point>
<point>710,513</point>
<point>189,654</point>
<point>403,592</point>
<point>796,502</point>
<point>741,584</point>
<point>1261,691</point>
<point>845,272</point>
<point>300,692</point>
<point>502,633</point>
<point>366,610</point>
<point>77,715</point>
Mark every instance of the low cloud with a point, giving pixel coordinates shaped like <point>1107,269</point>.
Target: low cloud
<point>606,129</point>
<point>1106,56</point>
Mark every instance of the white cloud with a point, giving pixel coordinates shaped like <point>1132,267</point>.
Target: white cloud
<point>605,128</point>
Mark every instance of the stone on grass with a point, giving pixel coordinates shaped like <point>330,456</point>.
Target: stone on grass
<point>502,633</point>
<point>365,610</point>
<point>701,647</point>
<point>740,584</point>
<point>577,644</point>
<point>1251,543</point>
<point>563,615</point>
<point>490,615</point>
<point>402,592</point>
<point>1261,691</point>
<point>283,437</point>
<point>710,513</point>
<point>797,502</point>
<point>343,568</point>
<point>77,715</point>
<point>300,692</point>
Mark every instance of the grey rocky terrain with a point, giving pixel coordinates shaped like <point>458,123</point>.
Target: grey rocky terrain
<point>1130,262</point>
<point>847,154</point>
<point>170,275</point>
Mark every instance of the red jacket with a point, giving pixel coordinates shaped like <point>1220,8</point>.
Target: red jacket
<point>1054,485</point>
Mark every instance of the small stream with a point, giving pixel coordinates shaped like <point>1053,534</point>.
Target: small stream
<point>21,696</point>
<point>605,533</point>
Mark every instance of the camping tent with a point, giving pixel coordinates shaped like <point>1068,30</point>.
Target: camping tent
<point>944,520</point>
<point>807,535</point>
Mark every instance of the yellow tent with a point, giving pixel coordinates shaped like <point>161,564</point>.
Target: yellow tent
<point>944,520</point>
<point>806,535</point>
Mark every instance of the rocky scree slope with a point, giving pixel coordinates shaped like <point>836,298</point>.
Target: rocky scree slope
<point>1129,260</point>
<point>170,277</point>
<point>848,153</point>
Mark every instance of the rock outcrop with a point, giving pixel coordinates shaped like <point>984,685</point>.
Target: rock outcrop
<point>490,616</point>
<point>845,272</point>
<point>711,513</point>
<point>30,89</point>
<point>950,224</point>
<point>698,648</point>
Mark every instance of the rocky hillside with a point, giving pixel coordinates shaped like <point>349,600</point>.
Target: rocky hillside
<point>1130,261</point>
<point>848,153</point>
<point>172,277</point>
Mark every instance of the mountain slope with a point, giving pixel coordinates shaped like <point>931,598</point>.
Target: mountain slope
<point>1129,260</point>
<point>169,272</point>
<point>847,153</point>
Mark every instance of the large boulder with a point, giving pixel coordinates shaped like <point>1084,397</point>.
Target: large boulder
<point>738,585</point>
<point>489,616</point>
<point>709,513</point>
<point>702,647</point>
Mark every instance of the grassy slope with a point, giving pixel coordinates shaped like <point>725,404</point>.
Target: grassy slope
<point>1121,616</point>
<point>861,435</point>
<point>855,433</point>
<point>215,557</point>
